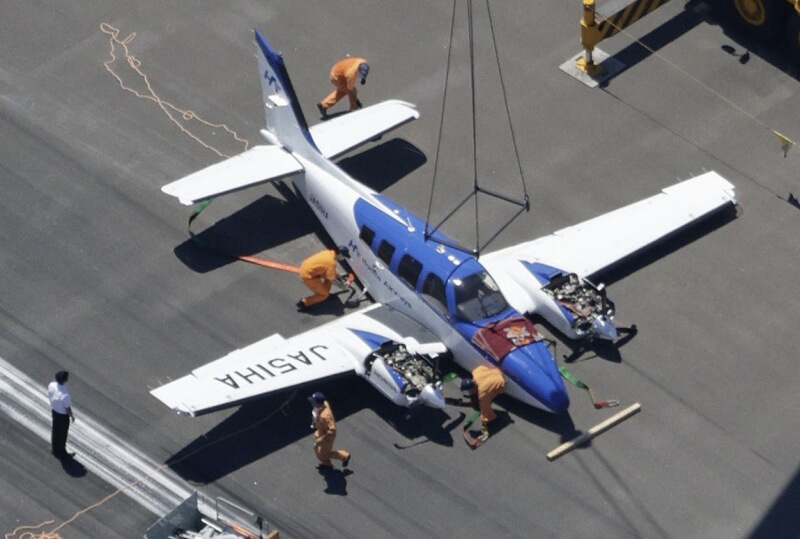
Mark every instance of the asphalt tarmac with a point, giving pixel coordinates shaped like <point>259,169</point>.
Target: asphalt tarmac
<point>99,275</point>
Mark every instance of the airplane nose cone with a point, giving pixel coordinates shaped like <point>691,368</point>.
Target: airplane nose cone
<point>432,396</point>
<point>532,368</point>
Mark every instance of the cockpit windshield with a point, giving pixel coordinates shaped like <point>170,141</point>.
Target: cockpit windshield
<point>477,297</point>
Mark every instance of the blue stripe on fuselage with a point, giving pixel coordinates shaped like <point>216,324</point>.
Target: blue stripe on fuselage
<point>531,367</point>
<point>370,339</point>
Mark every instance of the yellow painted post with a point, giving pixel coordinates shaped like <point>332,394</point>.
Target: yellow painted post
<point>590,37</point>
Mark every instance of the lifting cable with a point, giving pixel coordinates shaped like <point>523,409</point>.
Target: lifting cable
<point>524,204</point>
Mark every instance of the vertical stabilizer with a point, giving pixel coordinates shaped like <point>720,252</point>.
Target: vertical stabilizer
<point>284,117</point>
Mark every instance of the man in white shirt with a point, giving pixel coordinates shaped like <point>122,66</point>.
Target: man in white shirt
<point>61,405</point>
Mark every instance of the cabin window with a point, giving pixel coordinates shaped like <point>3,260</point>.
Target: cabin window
<point>433,291</point>
<point>367,235</point>
<point>409,269</point>
<point>385,252</point>
<point>478,297</point>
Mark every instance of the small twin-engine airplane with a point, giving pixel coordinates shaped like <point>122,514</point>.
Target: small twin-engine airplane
<point>429,298</point>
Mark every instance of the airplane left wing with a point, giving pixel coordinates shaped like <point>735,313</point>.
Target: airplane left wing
<point>343,133</point>
<point>596,244</point>
<point>276,363</point>
<point>257,165</point>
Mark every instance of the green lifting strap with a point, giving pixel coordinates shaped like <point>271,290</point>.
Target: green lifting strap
<point>200,207</point>
<point>578,383</point>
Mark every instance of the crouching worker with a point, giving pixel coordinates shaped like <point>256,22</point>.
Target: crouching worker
<point>487,382</point>
<point>344,75</point>
<point>318,272</point>
<point>325,433</point>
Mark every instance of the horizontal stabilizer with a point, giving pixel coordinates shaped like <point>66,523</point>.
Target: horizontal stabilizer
<point>257,165</point>
<point>343,133</point>
<point>596,244</point>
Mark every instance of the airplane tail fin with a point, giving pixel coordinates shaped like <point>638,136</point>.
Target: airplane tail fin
<point>285,119</point>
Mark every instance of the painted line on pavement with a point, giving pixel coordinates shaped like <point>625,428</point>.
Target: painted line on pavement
<point>111,458</point>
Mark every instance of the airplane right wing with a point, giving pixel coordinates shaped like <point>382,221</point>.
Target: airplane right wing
<point>596,244</point>
<point>343,133</point>
<point>275,363</point>
<point>257,165</point>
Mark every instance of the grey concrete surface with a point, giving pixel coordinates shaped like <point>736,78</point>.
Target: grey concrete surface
<point>99,276</point>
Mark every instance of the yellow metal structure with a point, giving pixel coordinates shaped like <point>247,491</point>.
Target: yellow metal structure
<point>597,25</point>
<point>590,37</point>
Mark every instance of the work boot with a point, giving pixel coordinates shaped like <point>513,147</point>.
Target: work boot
<point>322,111</point>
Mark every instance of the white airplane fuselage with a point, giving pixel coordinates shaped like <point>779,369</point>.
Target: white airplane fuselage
<point>474,309</point>
<point>334,197</point>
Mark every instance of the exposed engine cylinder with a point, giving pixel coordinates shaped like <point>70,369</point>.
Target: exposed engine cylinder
<point>585,301</point>
<point>415,370</point>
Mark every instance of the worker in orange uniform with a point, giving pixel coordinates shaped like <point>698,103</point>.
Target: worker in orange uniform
<point>344,75</point>
<point>318,272</point>
<point>325,433</point>
<point>487,383</point>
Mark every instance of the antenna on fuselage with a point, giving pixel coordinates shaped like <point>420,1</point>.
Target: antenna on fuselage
<point>523,204</point>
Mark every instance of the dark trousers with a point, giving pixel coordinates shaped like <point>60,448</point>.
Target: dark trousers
<point>58,437</point>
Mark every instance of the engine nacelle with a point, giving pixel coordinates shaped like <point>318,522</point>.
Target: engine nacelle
<point>585,307</point>
<point>404,377</point>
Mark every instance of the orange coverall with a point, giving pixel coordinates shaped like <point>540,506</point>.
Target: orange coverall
<point>344,75</point>
<point>317,273</point>
<point>490,384</point>
<point>325,435</point>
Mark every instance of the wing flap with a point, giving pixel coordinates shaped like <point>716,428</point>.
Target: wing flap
<point>257,165</point>
<point>598,243</point>
<point>343,133</point>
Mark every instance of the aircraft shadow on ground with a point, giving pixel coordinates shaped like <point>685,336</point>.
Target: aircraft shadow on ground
<point>781,518</point>
<point>271,221</point>
<point>382,166</point>
<point>560,424</point>
<point>260,428</point>
<point>573,350</point>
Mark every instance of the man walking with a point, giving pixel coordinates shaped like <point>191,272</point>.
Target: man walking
<point>325,433</point>
<point>61,406</point>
